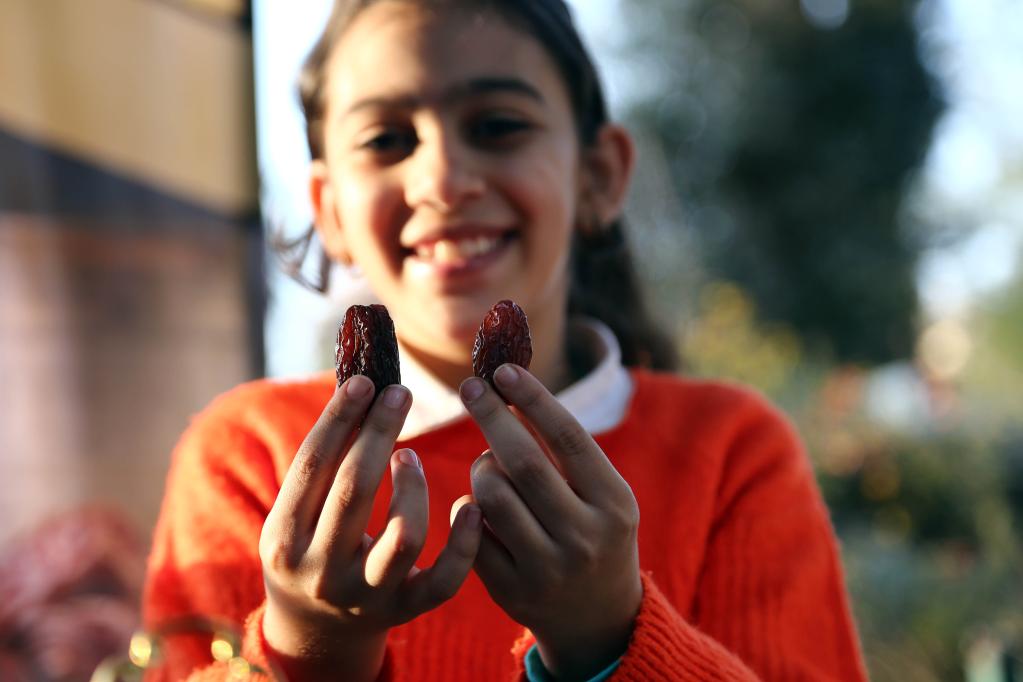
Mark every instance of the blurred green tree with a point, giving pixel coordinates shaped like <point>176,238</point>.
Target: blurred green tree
<point>791,146</point>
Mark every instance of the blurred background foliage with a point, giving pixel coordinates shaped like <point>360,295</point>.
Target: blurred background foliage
<point>794,138</point>
<point>792,147</point>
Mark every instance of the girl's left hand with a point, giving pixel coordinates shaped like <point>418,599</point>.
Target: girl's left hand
<point>559,551</point>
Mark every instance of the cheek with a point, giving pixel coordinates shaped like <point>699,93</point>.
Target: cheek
<point>547,192</point>
<point>546,183</point>
<point>370,215</point>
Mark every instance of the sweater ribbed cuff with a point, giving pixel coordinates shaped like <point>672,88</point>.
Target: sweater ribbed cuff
<point>519,649</point>
<point>665,647</point>
<point>255,650</point>
<point>254,647</point>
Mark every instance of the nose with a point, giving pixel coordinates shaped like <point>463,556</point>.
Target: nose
<point>443,174</point>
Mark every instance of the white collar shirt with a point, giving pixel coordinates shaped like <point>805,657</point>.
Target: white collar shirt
<point>598,400</point>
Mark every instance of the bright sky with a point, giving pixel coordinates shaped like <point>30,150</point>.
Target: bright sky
<point>974,173</point>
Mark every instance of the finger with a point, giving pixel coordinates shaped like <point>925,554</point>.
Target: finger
<point>494,565</point>
<point>587,469</point>
<point>431,587</point>
<point>506,514</point>
<point>520,456</point>
<point>350,500</point>
<point>311,473</point>
<point>395,552</point>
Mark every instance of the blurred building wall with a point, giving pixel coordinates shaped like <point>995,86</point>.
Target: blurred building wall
<point>148,88</point>
<point>130,250</point>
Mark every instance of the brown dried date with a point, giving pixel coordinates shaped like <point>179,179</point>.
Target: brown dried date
<point>366,345</point>
<point>503,337</point>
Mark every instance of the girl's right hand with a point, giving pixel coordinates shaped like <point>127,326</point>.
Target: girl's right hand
<point>333,591</point>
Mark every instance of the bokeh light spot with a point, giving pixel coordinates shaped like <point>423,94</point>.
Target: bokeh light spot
<point>944,349</point>
<point>825,14</point>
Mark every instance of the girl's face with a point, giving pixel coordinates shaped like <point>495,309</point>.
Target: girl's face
<point>451,176</point>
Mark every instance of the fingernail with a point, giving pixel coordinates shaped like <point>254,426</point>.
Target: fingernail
<point>358,386</point>
<point>473,517</point>
<point>408,457</point>
<point>472,389</point>
<point>506,375</point>
<point>394,397</point>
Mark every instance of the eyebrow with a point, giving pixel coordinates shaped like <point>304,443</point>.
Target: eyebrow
<point>475,86</point>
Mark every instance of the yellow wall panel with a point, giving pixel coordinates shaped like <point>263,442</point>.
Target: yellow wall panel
<point>138,87</point>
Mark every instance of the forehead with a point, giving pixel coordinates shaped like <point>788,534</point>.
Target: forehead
<point>397,49</point>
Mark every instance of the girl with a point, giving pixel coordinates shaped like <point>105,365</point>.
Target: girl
<point>462,155</point>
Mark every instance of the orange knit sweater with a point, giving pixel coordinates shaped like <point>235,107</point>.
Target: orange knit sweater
<point>741,573</point>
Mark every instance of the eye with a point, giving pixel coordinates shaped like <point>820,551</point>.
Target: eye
<point>497,129</point>
<point>390,142</point>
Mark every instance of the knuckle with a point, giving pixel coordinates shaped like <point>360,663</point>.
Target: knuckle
<point>571,438</point>
<point>488,409</point>
<point>407,546</point>
<point>625,516</point>
<point>583,552</point>
<point>352,492</point>
<point>274,555</point>
<point>632,516</point>
<point>341,411</point>
<point>380,424</point>
<point>532,396</point>
<point>334,411</point>
<point>307,463</point>
<point>623,522</point>
<point>527,469</point>
<point>620,509</point>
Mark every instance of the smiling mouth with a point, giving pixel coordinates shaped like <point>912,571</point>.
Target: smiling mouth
<point>454,252</point>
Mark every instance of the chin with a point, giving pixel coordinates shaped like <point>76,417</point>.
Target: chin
<point>442,325</point>
<point>450,321</point>
<point>459,327</point>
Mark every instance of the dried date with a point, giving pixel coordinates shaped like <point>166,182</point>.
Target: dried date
<point>503,337</point>
<point>366,345</point>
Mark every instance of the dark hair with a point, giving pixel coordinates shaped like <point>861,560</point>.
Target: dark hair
<point>603,283</point>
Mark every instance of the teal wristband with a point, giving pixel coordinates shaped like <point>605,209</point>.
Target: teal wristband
<point>536,672</point>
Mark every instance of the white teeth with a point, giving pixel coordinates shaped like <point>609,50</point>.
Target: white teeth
<point>456,251</point>
<point>446,252</point>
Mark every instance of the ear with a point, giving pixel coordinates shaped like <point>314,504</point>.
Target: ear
<point>325,215</point>
<point>607,169</point>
